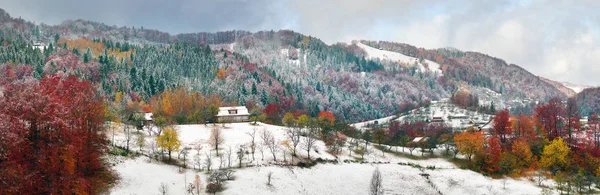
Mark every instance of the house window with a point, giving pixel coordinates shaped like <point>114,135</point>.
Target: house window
<point>232,111</point>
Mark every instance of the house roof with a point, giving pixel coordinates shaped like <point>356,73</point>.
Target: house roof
<point>148,116</point>
<point>419,139</point>
<point>241,111</point>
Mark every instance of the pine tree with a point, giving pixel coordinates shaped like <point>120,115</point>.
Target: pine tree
<point>254,91</point>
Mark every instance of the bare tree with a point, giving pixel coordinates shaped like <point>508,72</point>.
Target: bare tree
<point>221,162</point>
<point>153,146</point>
<point>216,138</point>
<point>198,161</point>
<point>128,132</point>
<point>184,153</point>
<point>376,187</point>
<point>262,152</point>
<point>229,153</point>
<point>163,189</point>
<point>240,156</point>
<point>113,131</point>
<point>311,138</point>
<point>252,143</point>
<point>141,141</point>
<point>208,161</point>
<point>270,142</point>
<point>294,136</point>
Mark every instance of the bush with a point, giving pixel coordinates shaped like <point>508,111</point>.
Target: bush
<point>305,164</point>
<point>213,188</point>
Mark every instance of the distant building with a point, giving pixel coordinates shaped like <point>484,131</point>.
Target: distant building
<point>437,119</point>
<point>584,121</point>
<point>147,118</point>
<point>233,114</point>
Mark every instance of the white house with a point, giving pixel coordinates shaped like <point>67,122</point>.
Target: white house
<point>233,114</point>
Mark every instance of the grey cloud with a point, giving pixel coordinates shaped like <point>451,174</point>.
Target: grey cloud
<point>174,16</point>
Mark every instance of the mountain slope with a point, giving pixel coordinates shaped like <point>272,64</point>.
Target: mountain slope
<point>576,88</point>
<point>359,81</point>
<point>568,91</point>
<point>589,101</point>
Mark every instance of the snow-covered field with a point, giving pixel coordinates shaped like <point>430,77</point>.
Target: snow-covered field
<point>140,176</point>
<point>401,58</point>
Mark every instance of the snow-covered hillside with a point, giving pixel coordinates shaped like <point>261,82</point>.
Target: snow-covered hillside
<point>574,87</point>
<point>452,115</point>
<point>400,175</point>
<point>400,58</point>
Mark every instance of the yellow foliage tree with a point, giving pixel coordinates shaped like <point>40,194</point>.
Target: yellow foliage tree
<point>469,143</point>
<point>555,154</point>
<point>303,120</point>
<point>169,140</point>
<point>288,119</point>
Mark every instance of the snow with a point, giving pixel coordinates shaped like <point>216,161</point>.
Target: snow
<point>140,176</point>
<point>148,116</point>
<point>363,125</point>
<point>574,87</point>
<point>400,58</point>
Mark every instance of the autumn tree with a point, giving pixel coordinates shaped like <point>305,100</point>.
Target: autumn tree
<point>550,117</point>
<point>169,141</point>
<point>502,126</point>
<point>216,138</point>
<point>555,155</point>
<point>288,119</point>
<point>326,121</point>
<point>379,136</point>
<point>522,127</point>
<point>51,136</point>
<point>469,143</point>
<point>492,155</point>
<point>272,113</point>
<point>522,151</point>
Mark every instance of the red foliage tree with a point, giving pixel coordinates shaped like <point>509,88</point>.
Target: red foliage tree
<point>492,155</point>
<point>550,116</point>
<point>51,137</point>
<point>502,125</point>
<point>272,111</point>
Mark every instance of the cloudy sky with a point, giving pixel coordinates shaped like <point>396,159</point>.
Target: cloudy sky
<point>552,38</point>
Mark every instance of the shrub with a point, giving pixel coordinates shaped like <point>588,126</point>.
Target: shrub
<point>213,188</point>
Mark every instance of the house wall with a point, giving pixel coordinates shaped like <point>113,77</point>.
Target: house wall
<point>233,119</point>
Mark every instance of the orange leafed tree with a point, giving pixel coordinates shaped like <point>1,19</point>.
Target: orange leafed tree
<point>326,116</point>
<point>221,74</point>
<point>522,151</point>
<point>469,143</point>
<point>522,127</point>
<point>82,45</point>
